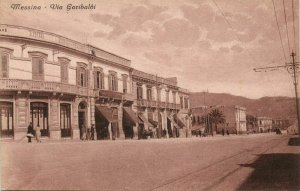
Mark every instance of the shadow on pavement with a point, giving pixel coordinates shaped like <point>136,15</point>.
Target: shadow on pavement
<point>274,172</point>
<point>294,141</point>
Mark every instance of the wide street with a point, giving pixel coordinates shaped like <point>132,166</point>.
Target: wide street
<point>248,162</point>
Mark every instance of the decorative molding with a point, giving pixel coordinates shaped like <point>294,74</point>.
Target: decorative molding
<point>37,54</point>
<point>6,50</point>
<point>63,59</point>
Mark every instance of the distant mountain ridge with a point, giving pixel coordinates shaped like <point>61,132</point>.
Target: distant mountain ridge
<point>275,107</point>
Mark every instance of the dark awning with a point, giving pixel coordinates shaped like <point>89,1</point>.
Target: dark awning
<point>130,115</point>
<point>154,123</point>
<point>143,119</point>
<point>110,114</point>
<point>179,121</point>
<point>197,128</point>
<point>174,123</point>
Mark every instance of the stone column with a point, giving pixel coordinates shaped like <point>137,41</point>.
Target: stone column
<point>75,128</point>
<point>54,128</point>
<point>120,122</point>
<point>110,132</point>
<point>92,111</point>
<point>22,106</point>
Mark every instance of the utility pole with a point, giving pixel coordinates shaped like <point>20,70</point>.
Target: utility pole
<point>158,109</point>
<point>293,69</point>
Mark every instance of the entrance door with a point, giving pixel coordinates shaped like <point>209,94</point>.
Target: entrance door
<point>65,120</point>
<point>6,119</point>
<point>81,121</point>
<point>39,116</point>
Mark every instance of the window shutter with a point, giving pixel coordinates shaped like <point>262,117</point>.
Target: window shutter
<point>34,68</point>
<point>86,77</point>
<point>4,67</point>
<point>78,76</point>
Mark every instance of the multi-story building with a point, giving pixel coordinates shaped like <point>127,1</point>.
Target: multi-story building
<point>162,106</point>
<point>264,124</point>
<point>64,87</point>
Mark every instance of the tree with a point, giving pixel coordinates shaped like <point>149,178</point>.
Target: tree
<point>216,117</point>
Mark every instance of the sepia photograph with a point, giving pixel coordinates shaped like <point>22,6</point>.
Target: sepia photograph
<point>149,95</point>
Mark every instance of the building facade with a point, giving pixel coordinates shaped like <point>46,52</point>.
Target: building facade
<point>162,106</point>
<point>64,87</point>
<point>234,119</point>
<point>264,124</point>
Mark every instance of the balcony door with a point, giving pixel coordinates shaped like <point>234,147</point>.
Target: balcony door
<point>39,116</point>
<point>6,119</point>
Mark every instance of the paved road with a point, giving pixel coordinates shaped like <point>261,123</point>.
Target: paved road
<point>254,162</point>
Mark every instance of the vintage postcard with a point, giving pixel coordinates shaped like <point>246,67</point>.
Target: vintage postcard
<point>149,95</point>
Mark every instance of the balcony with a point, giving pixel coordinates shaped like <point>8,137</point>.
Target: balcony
<point>150,103</point>
<point>114,95</point>
<point>42,86</point>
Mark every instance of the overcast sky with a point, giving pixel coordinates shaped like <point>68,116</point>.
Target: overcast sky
<point>207,44</point>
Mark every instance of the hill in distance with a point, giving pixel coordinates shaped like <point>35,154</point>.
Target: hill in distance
<point>274,107</point>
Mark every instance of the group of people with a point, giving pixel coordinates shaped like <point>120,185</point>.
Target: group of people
<point>33,132</point>
<point>87,134</point>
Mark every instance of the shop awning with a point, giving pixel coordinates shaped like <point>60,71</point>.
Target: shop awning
<point>110,114</point>
<point>130,115</point>
<point>174,123</point>
<point>179,121</point>
<point>154,123</point>
<point>197,128</point>
<point>143,119</point>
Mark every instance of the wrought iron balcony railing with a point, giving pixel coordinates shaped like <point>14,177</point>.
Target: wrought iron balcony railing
<point>32,85</point>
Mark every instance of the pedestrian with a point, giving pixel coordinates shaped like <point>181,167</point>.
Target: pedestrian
<point>29,132</point>
<point>227,131</point>
<point>92,132</point>
<point>223,132</point>
<point>38,134</point>
<point>200,133</point>
<point>88,134</point>
<point>83,132</point>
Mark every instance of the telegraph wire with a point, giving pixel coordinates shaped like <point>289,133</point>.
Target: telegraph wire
<point>229,24</point>
<point>287,32</point>
<point>279,31</point>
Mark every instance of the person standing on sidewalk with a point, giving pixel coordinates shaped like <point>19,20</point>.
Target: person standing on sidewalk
<point>38,134</point>
<point>92,132</point>
<point>29,132</point>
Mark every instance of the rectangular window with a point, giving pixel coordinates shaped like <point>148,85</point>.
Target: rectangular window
<point>186,103</point>
<point>167,97</point>
<point>149,94</point>
<point>181,102</point>
<point>4,66</point>
<point>64,72</point>
<point>139,93</point>
<point>99,80</point>
<point>125,78</point>
<point>174,97</point>
<point>113,82</point>
<point>37,68</point>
